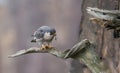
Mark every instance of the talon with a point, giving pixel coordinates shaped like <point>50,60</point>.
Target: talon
<point>43,47</point>
<point>46,47</point>
<point>49,46</point>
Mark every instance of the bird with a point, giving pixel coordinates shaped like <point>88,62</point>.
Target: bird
<point>44,36</point>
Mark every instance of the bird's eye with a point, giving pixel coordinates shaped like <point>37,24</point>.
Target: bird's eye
<point>51,33</point>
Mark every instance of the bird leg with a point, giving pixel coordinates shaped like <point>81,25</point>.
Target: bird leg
<point>46,47</point>
<point>42,47</point>
<point>49,45</point>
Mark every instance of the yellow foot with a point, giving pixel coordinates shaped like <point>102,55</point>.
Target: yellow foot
<point>49,46</point>
<point>46,47</point>
<point>43,47</point>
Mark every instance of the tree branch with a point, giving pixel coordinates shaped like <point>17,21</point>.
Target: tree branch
<point>83,51</point>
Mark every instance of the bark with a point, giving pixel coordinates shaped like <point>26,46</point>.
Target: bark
<point>107,46</point>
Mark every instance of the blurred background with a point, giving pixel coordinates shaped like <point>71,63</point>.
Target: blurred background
<point>20,18</point>
<point>18,21</point>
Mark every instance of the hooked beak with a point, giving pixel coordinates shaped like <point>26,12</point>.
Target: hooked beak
<point>55,36</point>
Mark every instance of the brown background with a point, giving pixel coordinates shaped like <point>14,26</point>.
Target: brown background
<point>20,18</point>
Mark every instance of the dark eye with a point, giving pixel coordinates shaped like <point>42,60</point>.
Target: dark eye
<point>53,32</point>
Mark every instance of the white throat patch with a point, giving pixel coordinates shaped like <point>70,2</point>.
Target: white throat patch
<point>47,36</point>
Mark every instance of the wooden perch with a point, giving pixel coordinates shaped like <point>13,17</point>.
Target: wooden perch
<point>65,54</point>
<point>83,51</point>
<point>109,19</point>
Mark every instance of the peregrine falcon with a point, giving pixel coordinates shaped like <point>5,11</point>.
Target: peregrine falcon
<point>44,35</point>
